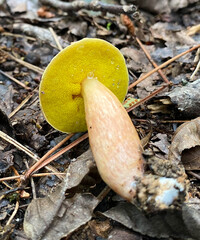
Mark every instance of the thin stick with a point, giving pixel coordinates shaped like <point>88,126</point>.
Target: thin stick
<point>32,169</point>
<point>18,36</point>
<point>18,145</point>
<point>93,5</point>
<point>16,173</point>
<point>162,66</point>
<point>28,65</point>
<point>9,178</point>
<point>103,193</point>
<point>32,181</point>
<point>34,175</point>
<point>24,149</point>
<point>174,121</point>
<point>55,38</point>
<point>67,148</point>
<point>194,174</point>
<point>23,103</point>
<point>15,80</point>
<point>47,174</point>
<point>152,61</point>
<point>13,214</point>
<point>146,98</point>
<point>195,71</point>
<point>6,184</point>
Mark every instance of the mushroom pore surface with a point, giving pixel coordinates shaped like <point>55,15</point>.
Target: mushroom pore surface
<point>60,89</point>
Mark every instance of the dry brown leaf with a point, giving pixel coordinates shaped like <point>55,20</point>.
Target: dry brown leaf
<point>163,224</point>
<point>187,98</point>
<point>54,216</point>
<point>171,33</point>
<point>185,145</point>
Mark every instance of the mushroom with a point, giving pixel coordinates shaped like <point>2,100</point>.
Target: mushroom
<point>82,88</point>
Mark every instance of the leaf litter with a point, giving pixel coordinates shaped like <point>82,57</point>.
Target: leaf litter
<point>56,216</point>
<point>71,206</point>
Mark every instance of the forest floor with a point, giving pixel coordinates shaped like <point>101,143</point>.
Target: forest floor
<point>52,204</point>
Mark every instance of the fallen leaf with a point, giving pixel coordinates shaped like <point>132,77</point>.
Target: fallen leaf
<point>187,98</point>
<point>191,216</point>
<point>54,216</point>
<point>118,233</point>
<point>171,33</point>
<point>136,60</point>
<point>6,160</point>
<point>164,224</point>
<point>162,143</point>
<point>17,6</point>
<point>164,6</point>
<point>185,145</point>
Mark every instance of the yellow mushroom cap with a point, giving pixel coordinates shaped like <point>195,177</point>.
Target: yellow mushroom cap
<point>60,87</point>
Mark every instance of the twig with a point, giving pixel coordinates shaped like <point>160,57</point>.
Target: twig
<point>23,103</point>
<point>32,181</point>
<point>16,173</point>
<point>6,184</point>
<point>94,6</point>
<point>131,28</point>
<point>55,38</point>
<point>15,80</point>
<point>24,149</point>
<point>47,174</point>
<point>9,178</point>
<point>28,65</point>
<point>18,145</point>
<point>162,66</point>
<point>14,213</point>
<point>152,61</point>
<point>32,169</point>
<point>194,174</point>
<point>34,175</point>
<point>65,149</point>
<point>103,193</point>
<point>195,71</point>
<point>146,98</point>
<point>174,121</point>
<point>18,36</point>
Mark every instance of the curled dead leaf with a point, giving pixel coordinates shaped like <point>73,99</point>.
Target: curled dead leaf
<point>185,145</point>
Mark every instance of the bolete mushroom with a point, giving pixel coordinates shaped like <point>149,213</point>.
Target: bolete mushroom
<point>82,88</point>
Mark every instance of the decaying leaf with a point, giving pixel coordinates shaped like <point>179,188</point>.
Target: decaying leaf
<point>185,145</point>
<point>187,98</point>
<point>191,216</point>
<point>157,6</point>
<point>6,160</point>
<point>136,60</point>
<point>119,233</point>
<point>47,220</point>
<point>163,224</point>
<point>171,33</point>
<point>162,143</point>
<point>54,216</point>
<point>6,96</point>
